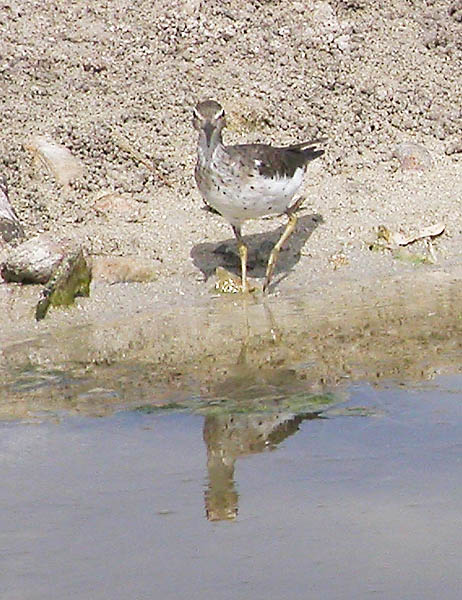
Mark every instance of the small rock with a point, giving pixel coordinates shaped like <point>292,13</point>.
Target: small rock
<point>453,145</point>
<point>70,279</point>
<point>455,10</point>
<point>413,157</point>
<point>122,269</point>
<point>343,43</point>
<point>57,159</point>
<point>33,261</point>
<point>117,206</point>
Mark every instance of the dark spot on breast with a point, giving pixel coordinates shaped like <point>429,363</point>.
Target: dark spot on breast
<point>252,187</point>
<point>270,208</point>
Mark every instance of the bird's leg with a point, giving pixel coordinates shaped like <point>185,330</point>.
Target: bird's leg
<point>282,240</point>
<point>275,251</point>
<point>243,254</point>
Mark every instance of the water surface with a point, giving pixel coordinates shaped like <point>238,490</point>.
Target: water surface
<point>362,500</point>
<point>305,447</point>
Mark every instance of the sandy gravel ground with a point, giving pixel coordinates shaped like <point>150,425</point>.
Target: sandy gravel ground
<point>115,82</point>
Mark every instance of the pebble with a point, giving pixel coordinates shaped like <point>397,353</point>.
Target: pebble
<point>413,157</point>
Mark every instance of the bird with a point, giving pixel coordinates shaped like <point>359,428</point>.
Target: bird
<point>249,181</point>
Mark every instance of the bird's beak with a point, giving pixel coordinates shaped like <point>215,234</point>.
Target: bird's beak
<point>208,130</point>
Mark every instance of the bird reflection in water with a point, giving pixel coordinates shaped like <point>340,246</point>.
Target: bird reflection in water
<point>261,402</point>
<point>229,437</point>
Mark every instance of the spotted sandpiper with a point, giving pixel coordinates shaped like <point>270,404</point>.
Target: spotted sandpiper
<point>248,181</point>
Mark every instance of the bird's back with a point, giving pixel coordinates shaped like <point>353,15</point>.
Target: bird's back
<point>247,181</point>
<point>275,162</point>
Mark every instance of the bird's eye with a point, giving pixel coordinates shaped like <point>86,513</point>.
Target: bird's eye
<point>221,114</point>
<point>196,115</point>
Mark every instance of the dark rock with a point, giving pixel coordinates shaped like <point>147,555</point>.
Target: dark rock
<point>10,226</point>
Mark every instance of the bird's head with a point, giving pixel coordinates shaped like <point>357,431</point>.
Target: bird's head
<point>209,120</point>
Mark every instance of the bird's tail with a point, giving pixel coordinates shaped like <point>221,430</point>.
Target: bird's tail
<point>310,150</point>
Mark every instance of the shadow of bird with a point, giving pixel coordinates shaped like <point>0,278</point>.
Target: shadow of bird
<point>208,256</point>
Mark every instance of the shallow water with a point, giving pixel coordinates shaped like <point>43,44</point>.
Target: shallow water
<point>362,501</point>
<point>234,450</point>
<point>98,360</point>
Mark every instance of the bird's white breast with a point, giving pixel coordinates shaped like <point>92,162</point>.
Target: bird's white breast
<point>237,196</point>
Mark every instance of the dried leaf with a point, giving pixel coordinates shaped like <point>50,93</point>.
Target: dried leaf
<point>431,231</point>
